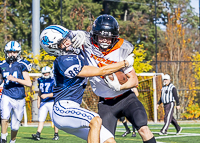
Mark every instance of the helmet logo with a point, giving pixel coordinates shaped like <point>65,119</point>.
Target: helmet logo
<point>46,41</point>
<point>106,33</point>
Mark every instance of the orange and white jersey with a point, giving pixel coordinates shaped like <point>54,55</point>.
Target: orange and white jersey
<point>119,52</point>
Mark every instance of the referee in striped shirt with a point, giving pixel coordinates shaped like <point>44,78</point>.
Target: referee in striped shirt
<point>168,98</point>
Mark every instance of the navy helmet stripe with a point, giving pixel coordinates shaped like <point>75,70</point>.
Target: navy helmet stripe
<point>56,28</point>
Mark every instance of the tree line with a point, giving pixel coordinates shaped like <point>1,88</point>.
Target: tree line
<point>178,42</point>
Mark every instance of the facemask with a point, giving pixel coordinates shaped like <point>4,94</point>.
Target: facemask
<point>104,45</point>
<point>11,59</point>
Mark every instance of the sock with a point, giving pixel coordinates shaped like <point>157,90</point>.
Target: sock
<point>38,133</point>
<point>56,134</point>
<point>133,128</point>
<point>152,140</point>
<point>3,136</point>
<point>11,141</point>
<point>125,125</point>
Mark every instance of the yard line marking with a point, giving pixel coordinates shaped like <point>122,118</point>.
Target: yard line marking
<point>175,136</point>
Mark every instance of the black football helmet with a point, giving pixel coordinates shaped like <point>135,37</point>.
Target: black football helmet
<point>106,26</point>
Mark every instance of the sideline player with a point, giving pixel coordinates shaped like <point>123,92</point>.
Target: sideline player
<point>15,76</point>
<point>70,70</point>
<point>115,100</point>
<point>45,101</point>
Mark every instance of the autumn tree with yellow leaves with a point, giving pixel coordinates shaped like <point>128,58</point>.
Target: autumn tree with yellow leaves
<point>175,52</point>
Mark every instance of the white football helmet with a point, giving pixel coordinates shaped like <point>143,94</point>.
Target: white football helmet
<point>12,46</point>
<point>46,69</point>
<point>51,37</point>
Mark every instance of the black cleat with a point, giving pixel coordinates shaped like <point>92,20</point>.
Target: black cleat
<point>178,132</point>
<point>127,132</point>
<point>56,138</point>
<point>133,135</point>
<point>161,133</point>
<point>36,137</point>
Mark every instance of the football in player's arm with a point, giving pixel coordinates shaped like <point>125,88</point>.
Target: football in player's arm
<point>15,77</point>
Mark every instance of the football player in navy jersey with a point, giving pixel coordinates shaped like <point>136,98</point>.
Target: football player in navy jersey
<point>15,76</point>
<point>70,69</point>
<point>45,100</point>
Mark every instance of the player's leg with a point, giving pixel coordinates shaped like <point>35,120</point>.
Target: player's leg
<point>5,115</point>
<point>107,112</point>
<point>94,132</point>
<point>169,110</point>
<point>16,117</point>
<point>123,120</point>
<point>41,118</point>
<point>50,109</point>
<point>136,114</point>
<point>71,118</point>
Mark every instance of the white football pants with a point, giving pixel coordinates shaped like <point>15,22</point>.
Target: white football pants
<point>47,107</point>
<point>13,107</point>
<point>71,118</point>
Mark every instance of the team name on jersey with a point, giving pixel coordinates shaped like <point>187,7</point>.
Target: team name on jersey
<point>102,61</point>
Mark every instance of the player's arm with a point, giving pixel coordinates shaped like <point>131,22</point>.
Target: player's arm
<point>89,71</point>
<point>26,81</point>
<point>43,96</point>
<point>134,89</point>
<point>39,99</point>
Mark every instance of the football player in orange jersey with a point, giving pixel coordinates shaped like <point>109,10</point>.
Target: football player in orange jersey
<point>103,46</point>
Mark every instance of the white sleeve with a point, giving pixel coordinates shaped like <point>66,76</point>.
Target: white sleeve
<point>126,49</point>
<point>127,69</point>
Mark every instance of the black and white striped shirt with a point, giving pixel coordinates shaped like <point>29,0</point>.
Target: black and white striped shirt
<point>169,94</point>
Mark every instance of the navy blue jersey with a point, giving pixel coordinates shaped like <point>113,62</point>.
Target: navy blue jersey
<point>10,88</point>
<point>67,85</point>
<point>46,87</point>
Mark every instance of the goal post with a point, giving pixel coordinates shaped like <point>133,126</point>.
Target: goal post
<point>90,100</point>
<point>154,91</point>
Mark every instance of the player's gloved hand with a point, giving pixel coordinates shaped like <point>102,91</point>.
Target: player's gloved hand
<point>79,39</point>
<point>130,59</point>
<point>113,84</point>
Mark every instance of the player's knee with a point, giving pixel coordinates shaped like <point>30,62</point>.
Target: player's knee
<point>144,130</point>
<point>15,127</point>
<point>110,140</point>
<point>96,122</point>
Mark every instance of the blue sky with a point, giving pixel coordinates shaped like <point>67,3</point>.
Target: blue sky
<point>195,4</point>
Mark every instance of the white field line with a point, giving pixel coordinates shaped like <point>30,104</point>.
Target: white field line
<point>174,128</point>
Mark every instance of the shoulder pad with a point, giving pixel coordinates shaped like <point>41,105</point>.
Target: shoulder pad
<point>128,46</point>
<point>126,49</point>
<point>2,62</point>
<point>26,63</point>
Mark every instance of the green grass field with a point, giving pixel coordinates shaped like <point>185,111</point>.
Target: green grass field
<point>189,134</point>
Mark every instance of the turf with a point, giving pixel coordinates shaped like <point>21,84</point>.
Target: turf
<point>190,133</point>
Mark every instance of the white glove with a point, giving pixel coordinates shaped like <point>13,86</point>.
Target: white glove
<point>79,39</point>
<point>130,59</point>
<point>113,84</point>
